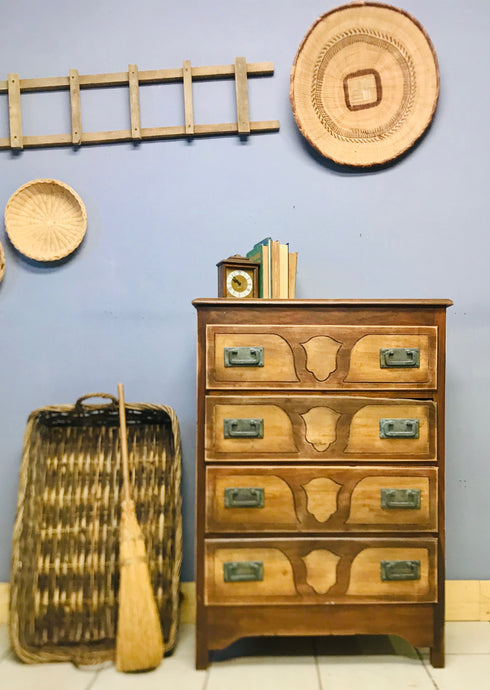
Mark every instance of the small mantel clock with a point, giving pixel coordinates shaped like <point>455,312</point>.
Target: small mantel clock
<point>238,278</point>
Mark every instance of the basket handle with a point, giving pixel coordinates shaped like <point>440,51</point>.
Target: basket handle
<point>79,403</point>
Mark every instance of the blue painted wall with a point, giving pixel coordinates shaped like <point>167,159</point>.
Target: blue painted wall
<point>161,214</point>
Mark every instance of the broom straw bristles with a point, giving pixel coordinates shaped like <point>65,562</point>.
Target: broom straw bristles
<point>139,643</point>
<point>139,640</point>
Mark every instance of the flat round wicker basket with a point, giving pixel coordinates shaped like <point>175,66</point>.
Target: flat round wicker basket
<point>364,83</point>
<point>2,262</point>
<point>45,220</point>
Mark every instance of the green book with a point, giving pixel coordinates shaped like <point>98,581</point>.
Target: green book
<point>261,253</point>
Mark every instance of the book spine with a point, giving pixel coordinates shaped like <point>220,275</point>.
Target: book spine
<point>276,260</point>
<point>293,267</point>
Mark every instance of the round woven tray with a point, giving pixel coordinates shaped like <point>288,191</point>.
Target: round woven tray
<point>2,262</point>
<point>364,83</point>
<point>45,220</point>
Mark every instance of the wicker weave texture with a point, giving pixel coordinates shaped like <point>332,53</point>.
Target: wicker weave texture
<point>64,578</point>
<point>364,84</point>
<point>45,220</point>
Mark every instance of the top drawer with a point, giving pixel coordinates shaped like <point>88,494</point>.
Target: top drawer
<point>321,357</point>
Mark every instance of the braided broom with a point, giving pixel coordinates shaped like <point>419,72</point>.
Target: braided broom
<point>139,641</point>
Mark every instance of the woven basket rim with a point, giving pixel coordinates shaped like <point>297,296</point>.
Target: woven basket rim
<point>372,131</point>
<point>32,249</point>
<point>2,262</point>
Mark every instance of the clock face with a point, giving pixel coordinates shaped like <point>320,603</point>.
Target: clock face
<point>239,283</point>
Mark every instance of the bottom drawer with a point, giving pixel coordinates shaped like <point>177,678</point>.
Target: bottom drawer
<point>320,570</point>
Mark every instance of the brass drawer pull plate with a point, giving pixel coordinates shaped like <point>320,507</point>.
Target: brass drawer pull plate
<point>243,428</point>
<point>398,428</point>
<point>244,497</point>
<point>401,498</point>
<point>244,356</point>
<point>243,571</point>
<point>399,357</point>
<point>400,570</point>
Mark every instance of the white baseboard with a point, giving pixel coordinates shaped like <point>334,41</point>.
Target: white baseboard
<point>466,600</point>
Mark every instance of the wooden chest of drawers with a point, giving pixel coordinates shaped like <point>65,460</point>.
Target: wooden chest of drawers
<point>320,470</point>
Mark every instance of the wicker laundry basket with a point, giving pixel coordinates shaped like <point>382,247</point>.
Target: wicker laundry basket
<point>64,576</point>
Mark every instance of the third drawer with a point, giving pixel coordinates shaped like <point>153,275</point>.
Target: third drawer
<point>320,499</point>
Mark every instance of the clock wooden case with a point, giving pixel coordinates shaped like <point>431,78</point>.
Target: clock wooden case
<point>238,278</point>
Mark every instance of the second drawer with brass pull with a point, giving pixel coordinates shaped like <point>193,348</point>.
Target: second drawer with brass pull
<point>309,427</point>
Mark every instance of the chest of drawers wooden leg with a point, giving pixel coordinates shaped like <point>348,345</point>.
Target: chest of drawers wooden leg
<point>320,470</point>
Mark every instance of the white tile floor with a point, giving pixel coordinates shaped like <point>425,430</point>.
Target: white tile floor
<point>370,663</point>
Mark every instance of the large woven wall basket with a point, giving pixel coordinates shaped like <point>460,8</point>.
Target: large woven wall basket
<point>65,577</point>
<point>364,84</point>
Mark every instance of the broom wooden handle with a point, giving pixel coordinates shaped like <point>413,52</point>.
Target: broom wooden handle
<point>124,443</point>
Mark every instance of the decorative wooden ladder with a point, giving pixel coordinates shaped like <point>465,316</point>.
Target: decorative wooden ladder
<point>240,71</point>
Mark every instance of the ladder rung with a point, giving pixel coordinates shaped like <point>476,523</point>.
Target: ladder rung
<point>188,103</point>
<point>15,112</point>
<point>134,101</point>
<point>76,110</point>
<point>241,89</point>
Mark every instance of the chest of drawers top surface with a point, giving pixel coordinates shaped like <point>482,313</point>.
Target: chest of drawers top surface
<point>317,312</point>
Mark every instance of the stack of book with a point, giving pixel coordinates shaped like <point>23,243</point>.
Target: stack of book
<point>277,273</point>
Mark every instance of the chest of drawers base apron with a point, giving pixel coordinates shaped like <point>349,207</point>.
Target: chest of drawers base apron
<point>320,470</point>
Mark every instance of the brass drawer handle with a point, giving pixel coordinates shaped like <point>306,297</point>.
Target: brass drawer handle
<point>243,428</point>
<point>243,571</point>
<point>244,497</point>
<point>400,570</point>
<point>407,499</point>
<point>398,428</point>
<point>399,357</point>
<point>244,356</point>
